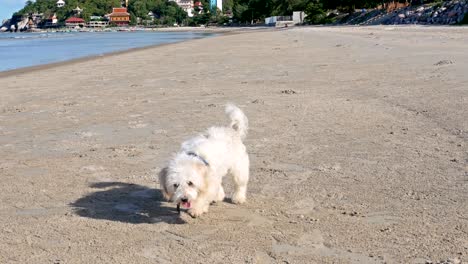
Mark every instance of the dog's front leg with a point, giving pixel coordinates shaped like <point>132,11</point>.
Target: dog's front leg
<point>200,206</point>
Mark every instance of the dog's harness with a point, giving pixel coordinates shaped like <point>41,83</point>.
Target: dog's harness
<point>193,154</point>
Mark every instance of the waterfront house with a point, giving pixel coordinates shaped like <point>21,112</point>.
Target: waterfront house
<point>97,24</point>
<point>119,16</point>
<point>52,21</point>
<point>74,22</point>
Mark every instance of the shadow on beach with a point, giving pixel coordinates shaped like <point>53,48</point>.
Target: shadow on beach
<point>124,202</point>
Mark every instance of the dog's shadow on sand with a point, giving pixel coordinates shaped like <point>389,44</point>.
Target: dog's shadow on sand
<point>128,203</point>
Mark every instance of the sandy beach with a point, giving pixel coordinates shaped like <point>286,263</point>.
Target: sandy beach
<point>358,143</point>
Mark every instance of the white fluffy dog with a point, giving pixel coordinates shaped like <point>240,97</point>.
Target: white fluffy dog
<point>193,177</point>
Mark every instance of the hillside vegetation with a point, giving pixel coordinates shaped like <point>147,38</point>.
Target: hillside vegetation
<point>240,11</point>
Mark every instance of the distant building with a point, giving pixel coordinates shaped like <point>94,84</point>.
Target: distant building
<point>74,22</point>
<point>97,24</point>
<point>119,16</point>
<point>151,15</point>
<point>60,3</point>
<point>51,21</point>
<point>186,5</point>
<point>198,6</point>
<point>218,4</point>
<point>298,17</point>
<point>286,21</point>
<point>77,10</point>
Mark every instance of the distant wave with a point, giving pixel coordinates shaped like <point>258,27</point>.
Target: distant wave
<point>13,36</point>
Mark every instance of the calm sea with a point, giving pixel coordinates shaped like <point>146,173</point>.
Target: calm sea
<point>19,50</point>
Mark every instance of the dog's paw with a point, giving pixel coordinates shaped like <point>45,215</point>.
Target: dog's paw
<point>238,198</point>
<point>195,212</point>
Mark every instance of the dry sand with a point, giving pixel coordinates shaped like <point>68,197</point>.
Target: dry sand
<point>358,143</point>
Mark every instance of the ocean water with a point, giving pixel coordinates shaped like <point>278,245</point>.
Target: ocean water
<point>18,50</point>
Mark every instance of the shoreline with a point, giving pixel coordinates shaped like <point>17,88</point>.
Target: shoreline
<point>24,70</point>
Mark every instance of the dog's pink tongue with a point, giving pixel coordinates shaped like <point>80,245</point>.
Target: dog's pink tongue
<point>186,205</point>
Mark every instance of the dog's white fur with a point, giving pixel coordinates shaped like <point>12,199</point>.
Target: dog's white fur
<point>188,177</point>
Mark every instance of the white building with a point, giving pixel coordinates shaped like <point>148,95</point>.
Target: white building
<point>186,5</point>
<point>54,19</point>
<point>60,3</point>
<point>78,10</point>
<point>97,24</point>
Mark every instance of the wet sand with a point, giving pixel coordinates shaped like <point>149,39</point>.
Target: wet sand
<point>358,145</point>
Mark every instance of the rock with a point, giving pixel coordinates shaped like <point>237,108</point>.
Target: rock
<point>443,62</point>
<point>452,14</point>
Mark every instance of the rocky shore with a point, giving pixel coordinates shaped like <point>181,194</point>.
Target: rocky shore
<point>443,13</point>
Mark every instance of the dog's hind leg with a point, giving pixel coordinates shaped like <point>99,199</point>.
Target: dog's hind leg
<point>240,174</point>
<point>220,195</point>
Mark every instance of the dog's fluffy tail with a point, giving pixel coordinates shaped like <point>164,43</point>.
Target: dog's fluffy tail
<point>239,121</point>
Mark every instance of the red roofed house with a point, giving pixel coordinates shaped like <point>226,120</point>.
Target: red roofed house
<point>198,7</point>
<point>74,22</point>
<point>119,16</point>
<point>198,4</point>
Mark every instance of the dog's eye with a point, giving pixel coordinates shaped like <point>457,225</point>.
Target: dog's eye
<point>176,185</point>
<point>190,183</point>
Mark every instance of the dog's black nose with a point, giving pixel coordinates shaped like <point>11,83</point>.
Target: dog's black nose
<point>184,200</point>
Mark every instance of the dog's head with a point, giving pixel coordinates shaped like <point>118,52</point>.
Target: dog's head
<point>183,181</point>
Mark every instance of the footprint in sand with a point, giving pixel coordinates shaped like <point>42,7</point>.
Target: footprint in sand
<point>303,207</point>
<point>313,243</point>
<point>382,218</point>
<point>86,134</point>
<point>137,124</point>
<point>251,218</point>
<point>96,171</point>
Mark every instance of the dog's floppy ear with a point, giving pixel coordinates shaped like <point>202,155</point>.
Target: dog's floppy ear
<point>163,182</point>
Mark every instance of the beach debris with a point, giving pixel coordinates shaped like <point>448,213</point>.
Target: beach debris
<point>288,91</point>
<point>353,213</point>
<point>386,229</point>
